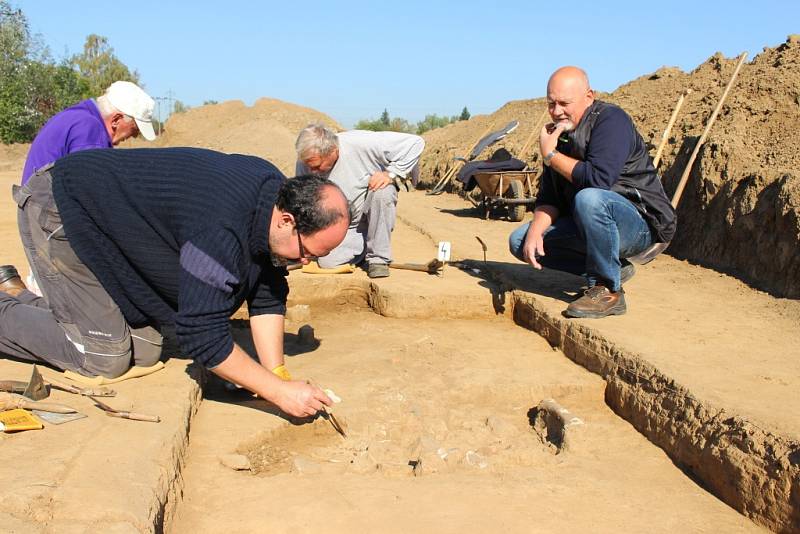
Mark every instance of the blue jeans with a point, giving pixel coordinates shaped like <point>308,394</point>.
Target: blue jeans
<point>604,229</point>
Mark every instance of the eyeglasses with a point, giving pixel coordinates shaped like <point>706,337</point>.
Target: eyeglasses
<point>303,249</point>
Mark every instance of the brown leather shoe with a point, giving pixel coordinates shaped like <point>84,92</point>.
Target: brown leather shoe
<point>10,281</point>
<point>597,302</point>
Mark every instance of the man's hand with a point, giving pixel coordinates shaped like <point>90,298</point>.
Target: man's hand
<point>534,246</point>
<point>300,399</point>
<point>548,137</point>
<point>379,180</point>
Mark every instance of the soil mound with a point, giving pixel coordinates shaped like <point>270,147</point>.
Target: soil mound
<point>268,129</point>
<point>740,211</point>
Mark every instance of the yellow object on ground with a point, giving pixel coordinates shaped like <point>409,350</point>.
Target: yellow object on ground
<point>314,268</point>
<point>18,419</point>
<point>282,372</point>
<point>133,372</point>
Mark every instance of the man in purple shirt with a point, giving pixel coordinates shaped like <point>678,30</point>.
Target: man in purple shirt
<point>124,111</point>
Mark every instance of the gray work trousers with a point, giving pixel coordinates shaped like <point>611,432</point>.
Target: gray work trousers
<point>369,239</point>
<point>75,325</point>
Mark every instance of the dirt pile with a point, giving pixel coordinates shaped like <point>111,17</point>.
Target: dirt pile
<point>740,212</point>
<point>268,129</point>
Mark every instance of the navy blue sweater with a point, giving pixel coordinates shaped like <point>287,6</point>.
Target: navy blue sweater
<point>176,236</point>
<point>613,139</point>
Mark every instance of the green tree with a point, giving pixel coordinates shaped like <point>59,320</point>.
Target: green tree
<point>180,107</point>
<point>431,122</point>
<point>100,66</point>
<point>385,117</point>
<point>401,125</point>
<point>33,87</point>
<point>464,114</point>
<point>210,102</point>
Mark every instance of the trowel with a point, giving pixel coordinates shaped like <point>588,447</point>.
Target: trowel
<point>34,388</point>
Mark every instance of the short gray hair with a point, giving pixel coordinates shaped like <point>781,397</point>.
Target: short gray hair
<point>316,139</point>
<point>107,109</point>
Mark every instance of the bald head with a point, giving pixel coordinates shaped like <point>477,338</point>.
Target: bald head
<point>568,96</point>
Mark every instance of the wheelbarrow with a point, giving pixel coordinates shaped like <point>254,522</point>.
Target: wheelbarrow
<point>506,191</point>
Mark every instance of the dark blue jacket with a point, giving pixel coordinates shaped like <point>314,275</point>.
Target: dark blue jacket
<point>613,156</point>
<point>176,236</point>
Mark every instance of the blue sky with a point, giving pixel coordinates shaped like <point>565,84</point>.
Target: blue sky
<point>352,59</point>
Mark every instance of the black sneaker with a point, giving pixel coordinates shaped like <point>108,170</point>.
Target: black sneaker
<point>597,302</point>
<point>7,272</point>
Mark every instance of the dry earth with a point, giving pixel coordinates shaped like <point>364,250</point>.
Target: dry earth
<point>740,212</point>
<point>266,129</point>
<point>703,366</point>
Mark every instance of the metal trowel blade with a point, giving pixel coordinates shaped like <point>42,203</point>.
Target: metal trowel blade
<point>36,389</point>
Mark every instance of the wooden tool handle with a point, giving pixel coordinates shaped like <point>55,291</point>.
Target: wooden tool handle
<point>135,416</point>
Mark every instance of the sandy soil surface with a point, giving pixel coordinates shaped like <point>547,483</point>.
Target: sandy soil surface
<point>439,439</point>
<point>437,381</point>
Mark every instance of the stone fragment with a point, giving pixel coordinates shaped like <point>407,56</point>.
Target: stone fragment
<point>237,462</point>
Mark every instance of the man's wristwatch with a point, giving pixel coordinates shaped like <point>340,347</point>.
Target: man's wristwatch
<point>548,157</point>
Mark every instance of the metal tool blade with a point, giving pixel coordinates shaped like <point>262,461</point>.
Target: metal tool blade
<point>36,389</point>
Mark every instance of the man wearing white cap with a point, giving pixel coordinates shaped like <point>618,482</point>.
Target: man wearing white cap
<point>124,111</point>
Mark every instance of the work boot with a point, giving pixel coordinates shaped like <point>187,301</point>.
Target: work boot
<point>597,302</point>
<point>378,270</point>
<point>626,272</point>
<point>10,281</point>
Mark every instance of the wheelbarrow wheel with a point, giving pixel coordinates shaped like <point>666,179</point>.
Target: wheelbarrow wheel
<point>516,212</point>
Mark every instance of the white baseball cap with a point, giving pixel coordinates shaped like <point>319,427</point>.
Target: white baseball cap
<point>131,100</point>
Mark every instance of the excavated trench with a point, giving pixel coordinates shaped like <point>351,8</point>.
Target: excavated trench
<point>456,420</point>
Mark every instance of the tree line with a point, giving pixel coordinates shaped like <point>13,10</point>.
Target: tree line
<point>35,86</point>
<point>385,123</point>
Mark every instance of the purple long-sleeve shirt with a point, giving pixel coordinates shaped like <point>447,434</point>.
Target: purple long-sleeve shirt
<point>79,127</point>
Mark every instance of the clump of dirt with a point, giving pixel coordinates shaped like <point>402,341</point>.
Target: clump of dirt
<point>268,129</point>
<point>740,211</point>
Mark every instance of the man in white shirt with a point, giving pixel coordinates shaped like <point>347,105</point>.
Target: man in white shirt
<point>368,167</point>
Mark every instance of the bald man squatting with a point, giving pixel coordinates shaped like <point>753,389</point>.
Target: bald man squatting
<point>600,199</point>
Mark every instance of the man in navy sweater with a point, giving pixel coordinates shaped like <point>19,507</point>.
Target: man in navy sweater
<point>124,243</point>
<point>600,199</point>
